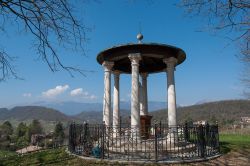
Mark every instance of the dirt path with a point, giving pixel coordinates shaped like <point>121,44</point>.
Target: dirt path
<point>239,158</point>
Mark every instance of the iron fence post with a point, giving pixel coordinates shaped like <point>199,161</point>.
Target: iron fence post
<point>120,125</point>
<point>186,132</point>
<point>217,138</point>
<point>156,154</point>
<point>160,130</point>
<point>201,141</point>
<point>70,139</point>
<point>103,135</point>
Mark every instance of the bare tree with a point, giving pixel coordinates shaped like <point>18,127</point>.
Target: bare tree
<point>230,18</point>
<point>52,23</point>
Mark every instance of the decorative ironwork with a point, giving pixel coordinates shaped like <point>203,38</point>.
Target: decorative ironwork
<point>164,143</point>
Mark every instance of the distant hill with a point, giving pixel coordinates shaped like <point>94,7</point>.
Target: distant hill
<point>225,112</point>
<point>32,112</point>
<point>3,112</point>
<point>70,107</point>
<point>89,116</point>
<point>96,116</point>
<point>74,108</point>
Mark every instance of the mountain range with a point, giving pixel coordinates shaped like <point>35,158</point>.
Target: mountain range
<point>23,113</point>
<point>74,108</point>
<point>225,112</point>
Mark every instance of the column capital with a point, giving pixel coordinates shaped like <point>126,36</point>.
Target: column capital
<point>116,73</point>
<point>135,58</point>
<point>107,65</point>
<point>170,62</point>
<point>144,75</point>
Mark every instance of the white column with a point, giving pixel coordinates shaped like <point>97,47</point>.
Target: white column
<point>141,99</point>
<point>107,94</point>
<point>116,102</point>
<point>171,62</point>
<point>144,94</point>
<point>135,108</point>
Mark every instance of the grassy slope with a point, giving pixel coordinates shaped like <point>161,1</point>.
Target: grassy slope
<point>236,150</point>
<point>4,153</point>
<point>234,142</point>
<point>52,157</point>
<point>47,157</point>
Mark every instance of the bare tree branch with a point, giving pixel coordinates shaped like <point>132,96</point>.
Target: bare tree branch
<point>5,67</point>
<point>52,24</point>
<point>229,17</point>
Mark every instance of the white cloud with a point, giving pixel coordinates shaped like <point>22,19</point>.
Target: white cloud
<point>27,95</point>
<point>55,91</point>
<point>77,92</point>
<point>80,93</point>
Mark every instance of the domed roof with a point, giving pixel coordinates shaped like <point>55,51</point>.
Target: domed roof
<point>152,55</point>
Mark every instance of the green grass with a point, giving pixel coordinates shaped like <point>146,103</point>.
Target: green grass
<point>51,157</point>
<point>4,153</point>
<point>58,157</point>
<point>234,142</point>
<point>47,157</point>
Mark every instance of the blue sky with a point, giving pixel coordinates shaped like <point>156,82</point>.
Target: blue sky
<point>210,72</point>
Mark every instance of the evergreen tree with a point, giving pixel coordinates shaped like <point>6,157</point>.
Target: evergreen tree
<point>36,127</point>
<point>21,139</point>
<point>21,130</point>
<point>7,128</point>
<point>59,133</point>
<point>6,131</point>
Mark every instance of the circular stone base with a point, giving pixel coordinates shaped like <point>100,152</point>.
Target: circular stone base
<point>146,161</point>
<point>128,149</point>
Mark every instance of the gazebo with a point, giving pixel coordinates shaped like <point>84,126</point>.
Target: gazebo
<point>140,141</point>
<point>140,59</point>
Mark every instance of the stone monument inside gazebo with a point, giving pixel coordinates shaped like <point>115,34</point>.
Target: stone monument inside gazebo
<point>140,59</point>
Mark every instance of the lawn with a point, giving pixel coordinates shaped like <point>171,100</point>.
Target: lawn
<point>4,153</point>
<point>46,157</point>
<point>51,157</point>
<point>235,149</point>
<point>234,142</point>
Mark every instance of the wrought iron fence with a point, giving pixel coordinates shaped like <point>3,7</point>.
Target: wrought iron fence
<point>158,142</point>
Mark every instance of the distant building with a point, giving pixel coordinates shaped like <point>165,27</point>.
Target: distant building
<point>200,122</point>
<point>37,138</point>
<point>245,120</point>
<point>28,149</point>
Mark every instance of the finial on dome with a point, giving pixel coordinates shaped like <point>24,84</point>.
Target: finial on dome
<point>139,37</point>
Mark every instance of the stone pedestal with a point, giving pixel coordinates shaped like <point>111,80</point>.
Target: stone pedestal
<point>145,126</point>
<point>144,110</point>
